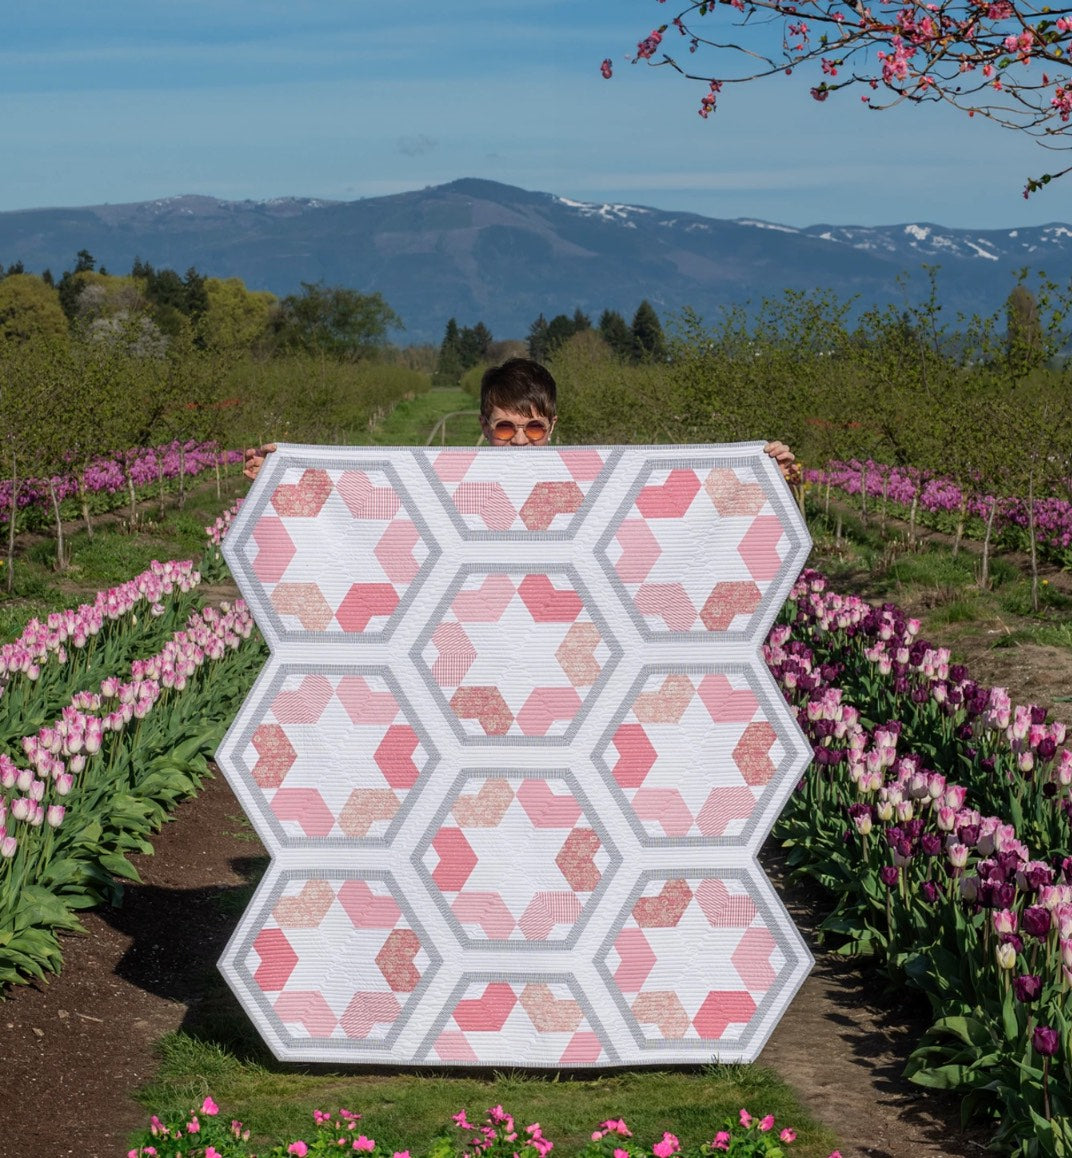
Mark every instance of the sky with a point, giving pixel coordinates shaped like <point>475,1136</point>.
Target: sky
<point>132,100</point>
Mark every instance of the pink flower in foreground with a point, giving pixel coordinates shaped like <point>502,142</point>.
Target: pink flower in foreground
<point>721,1140</point>
<point>618,1153</point>
<point>669,1145</point>
<point>212,1152</point>
<point>746,1118</point>
<point>299,1148</point>
<point>767,1123</point>
<point>788,1135</point>
<point>208,1106</point>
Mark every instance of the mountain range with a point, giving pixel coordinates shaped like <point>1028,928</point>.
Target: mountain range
<point>478,250</point>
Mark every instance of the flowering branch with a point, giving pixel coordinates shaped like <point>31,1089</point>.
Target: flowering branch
<point>1006,60</point>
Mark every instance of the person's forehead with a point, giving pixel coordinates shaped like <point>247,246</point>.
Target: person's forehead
<point>501,414</point>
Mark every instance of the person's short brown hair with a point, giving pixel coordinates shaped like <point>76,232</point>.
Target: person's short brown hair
<point>521,385</point>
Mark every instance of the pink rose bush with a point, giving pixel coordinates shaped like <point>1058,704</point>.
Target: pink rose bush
<point>203,1134</point>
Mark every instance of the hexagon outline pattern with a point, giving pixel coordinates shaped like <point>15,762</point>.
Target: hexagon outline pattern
<point>513,755</point>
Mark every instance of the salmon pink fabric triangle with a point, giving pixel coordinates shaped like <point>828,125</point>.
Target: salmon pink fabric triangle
<point>514,753</point>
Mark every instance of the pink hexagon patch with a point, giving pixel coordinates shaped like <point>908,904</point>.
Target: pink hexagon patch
<point>308,927</point>
<point>332,757</point>
<point>292,550</point>
<point>697,548</point>
<point>694,959</point>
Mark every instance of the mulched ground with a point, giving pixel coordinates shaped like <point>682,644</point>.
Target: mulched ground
<point>71,1052</point>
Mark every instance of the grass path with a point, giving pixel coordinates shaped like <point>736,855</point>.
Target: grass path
<point>412,421</point>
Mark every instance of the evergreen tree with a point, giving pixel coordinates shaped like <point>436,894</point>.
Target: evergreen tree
<point>559,331</point>
<point>537,340</point>
<point>616,333</point>
<point>473,345</point>
<point>648,342</point>
<point>195,296</point>
<point>449,367</point>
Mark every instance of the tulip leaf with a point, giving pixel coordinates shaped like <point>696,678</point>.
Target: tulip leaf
<point>970,1030</point>
<point>120,866</point>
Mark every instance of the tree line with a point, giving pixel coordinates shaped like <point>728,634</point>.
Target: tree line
<point>464,347</point>
<point>145,310</point>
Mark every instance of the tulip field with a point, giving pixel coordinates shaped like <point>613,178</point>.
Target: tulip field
<point>936,812</point>
<point>109,713</point>
<point>935,500</point>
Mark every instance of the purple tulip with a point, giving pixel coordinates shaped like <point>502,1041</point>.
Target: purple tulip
<point>1027,987</point>
<point>1036,921</point>
<point>1014,940</point>
<point>968,834</point>
<point>1045,1041</point>
<point>889,875</point>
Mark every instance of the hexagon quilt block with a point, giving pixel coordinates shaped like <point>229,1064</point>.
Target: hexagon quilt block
<point>467,654</point>
<point>488,896</point>
<point>513,754</point>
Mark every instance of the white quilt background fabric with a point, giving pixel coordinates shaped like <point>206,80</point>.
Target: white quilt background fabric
<point>514,753</point>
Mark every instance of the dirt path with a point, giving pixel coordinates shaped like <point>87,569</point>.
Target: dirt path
<point>71,1052</point>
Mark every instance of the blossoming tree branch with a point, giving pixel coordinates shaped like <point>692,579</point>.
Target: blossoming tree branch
<point>1007,60</point>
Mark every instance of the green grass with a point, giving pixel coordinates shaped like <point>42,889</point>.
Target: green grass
<point>413,420</point>
<point>1045,635</point>
<point>406,1110</point>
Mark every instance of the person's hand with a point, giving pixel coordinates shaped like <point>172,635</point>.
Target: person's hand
<point>253,459</point>
<point>785,458</point>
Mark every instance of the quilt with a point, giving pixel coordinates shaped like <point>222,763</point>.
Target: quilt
<point>514,753</point>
